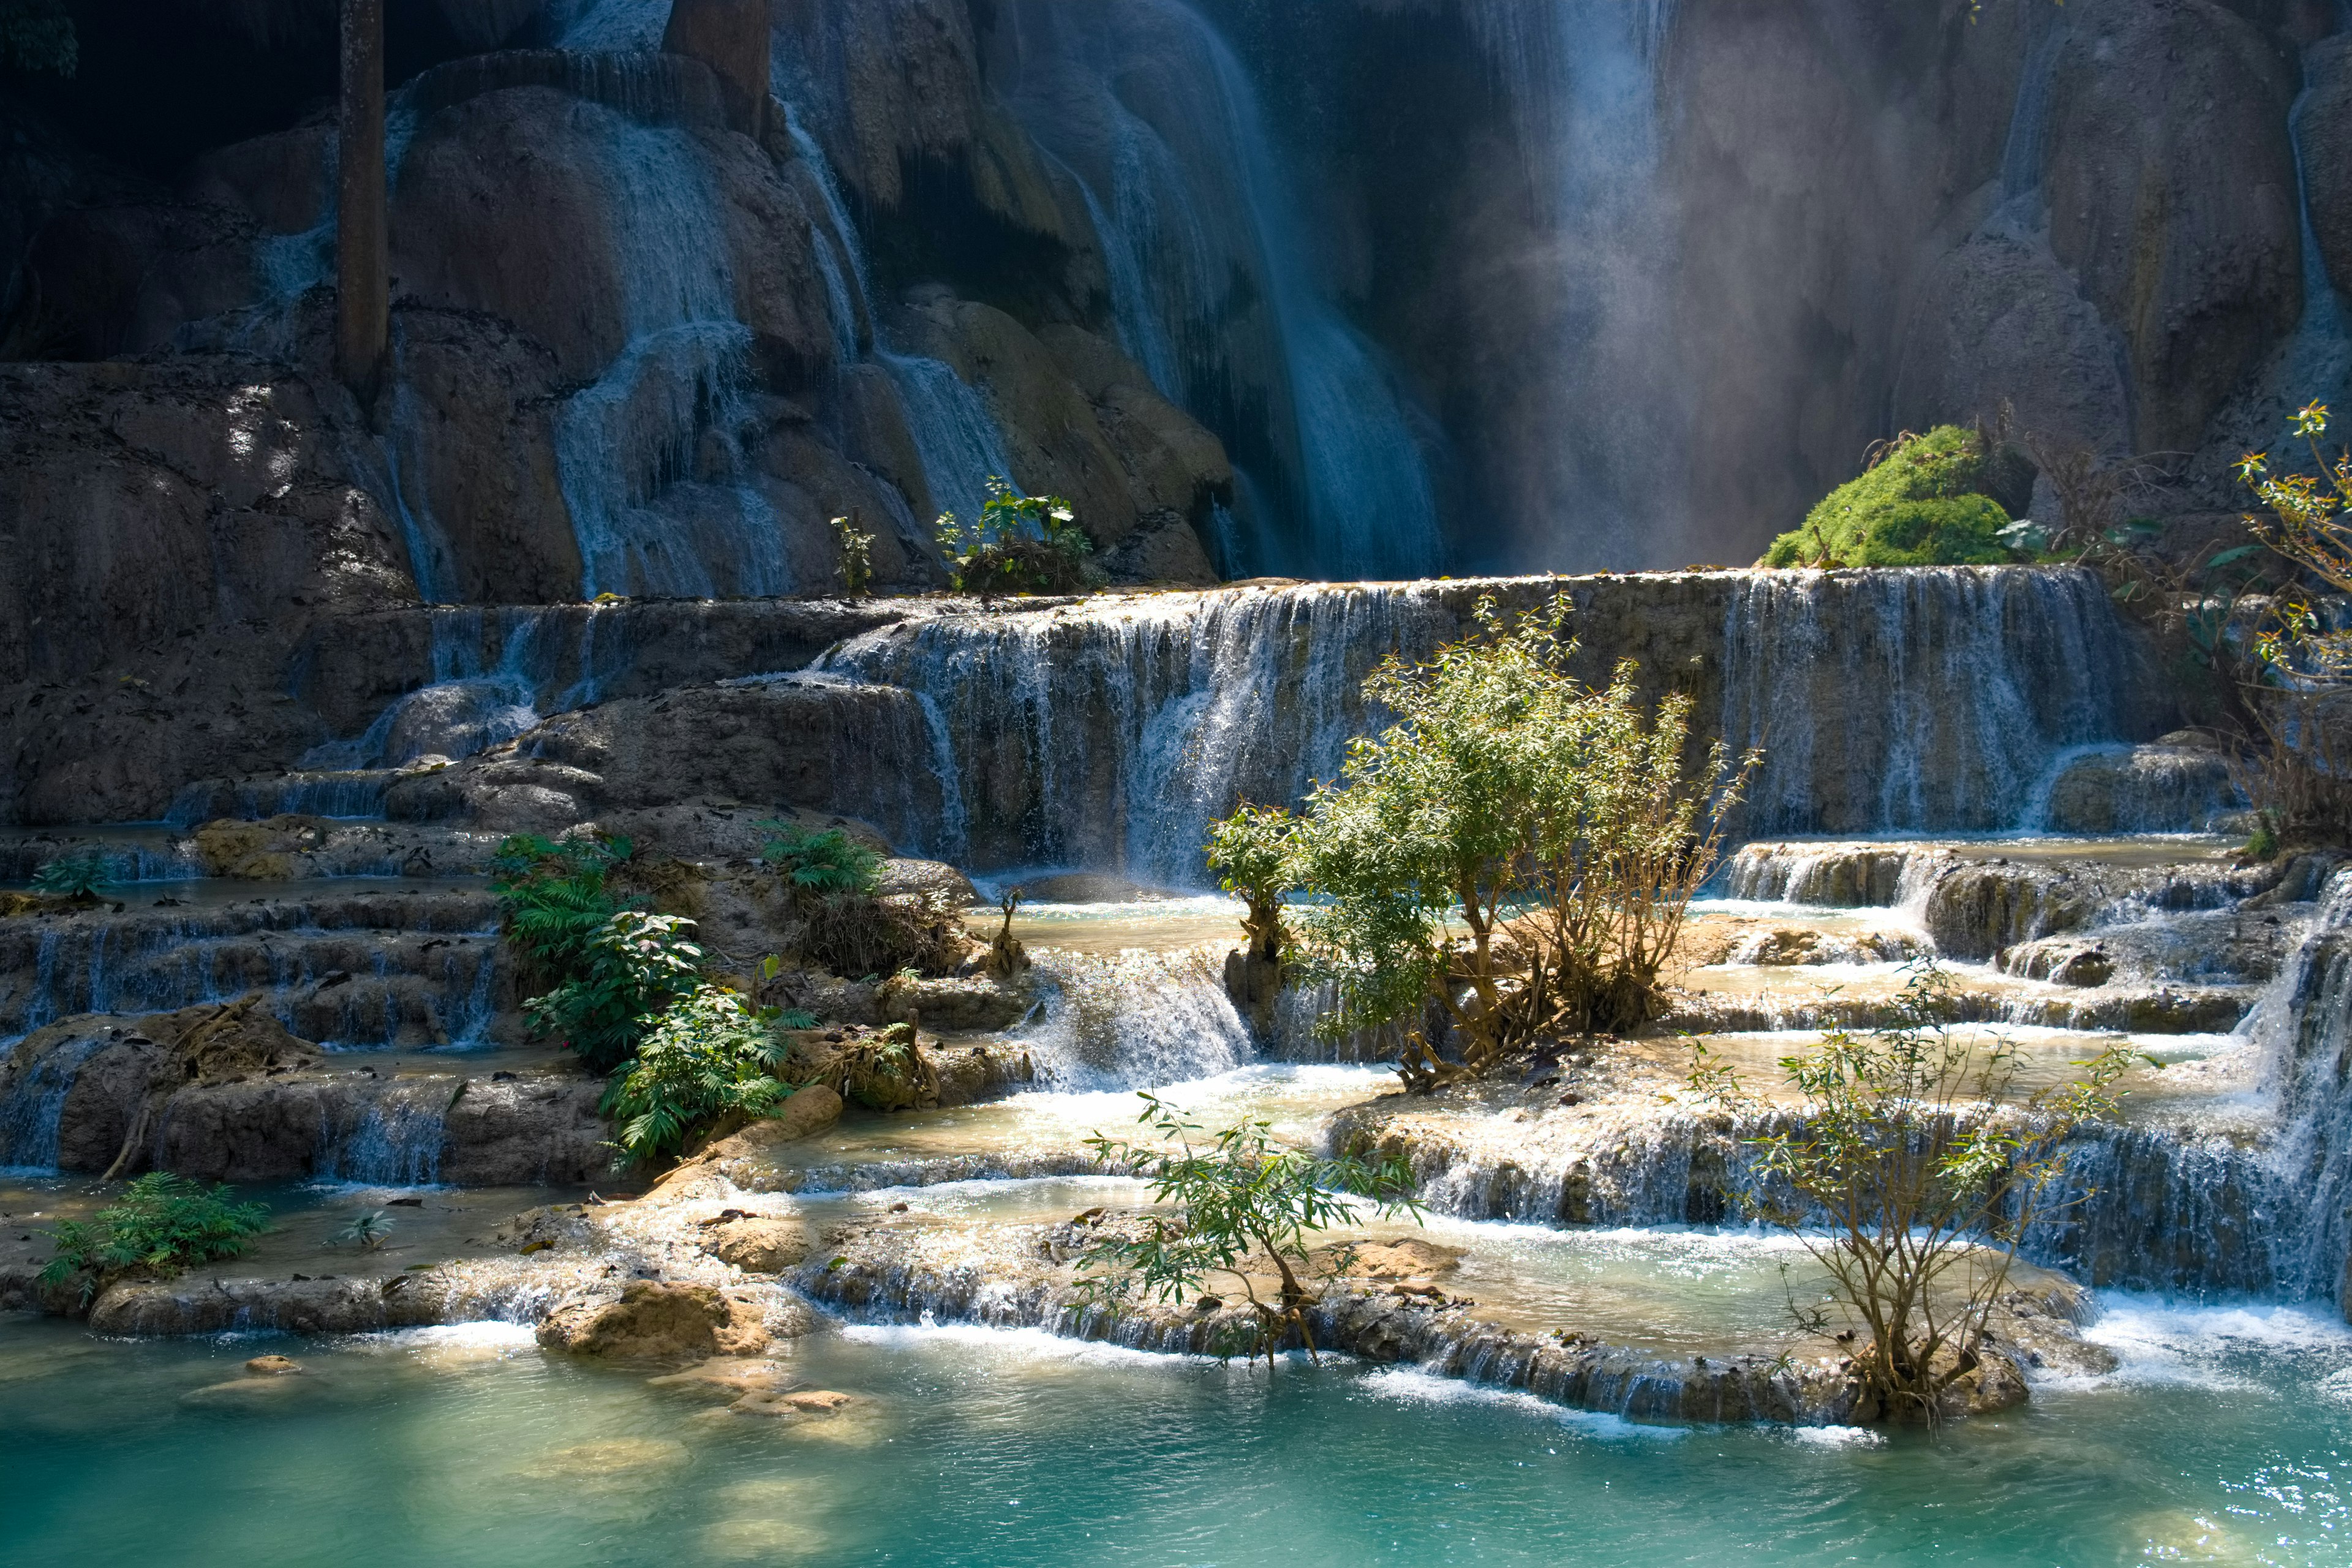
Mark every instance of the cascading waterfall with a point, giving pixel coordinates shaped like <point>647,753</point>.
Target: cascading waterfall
<point>466,706</point>
<point>1580,77</point>
<point>1906,701</point>
<point>1139,1020</point>
<point>31,1116</point>
<point>1158,121</point>
<point>1113,739</point>
<point>395,1142</point>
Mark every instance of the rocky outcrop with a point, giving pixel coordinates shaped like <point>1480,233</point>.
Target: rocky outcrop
<point>653,1320</point>
<point>2324,131</point>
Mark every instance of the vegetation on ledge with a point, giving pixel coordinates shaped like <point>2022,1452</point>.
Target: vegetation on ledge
<point>1921,503</point>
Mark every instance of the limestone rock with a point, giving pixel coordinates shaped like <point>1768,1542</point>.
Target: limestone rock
<point>651,1322</point>
<point>273,1366</point>
<point>2323,127</point>
<point>2156,788</point>
<point>900,875</point>
<point>758,1245</point>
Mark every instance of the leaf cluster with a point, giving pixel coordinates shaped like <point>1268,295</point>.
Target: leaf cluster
<point>159,1225</point>
<point>634,966</point>
<point>1240,1198</point>
<point>80,875</point>
<point>556,896</point>
<point>713,1055</point>
<point>1018,544</point>
<point>817,863</point>
<point>39,35</point>
<point>856,567</point>
<point>1921,503</point>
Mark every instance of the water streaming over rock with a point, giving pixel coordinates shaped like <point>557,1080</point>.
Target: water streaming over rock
<point>1136,1020</point>
<point>1216,286</point>
<point>30,1116</point>
<point>394,1143</point>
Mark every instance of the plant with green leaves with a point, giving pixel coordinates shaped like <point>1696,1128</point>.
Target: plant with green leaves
<point>368,1230</point>
<point>39,35</point>
<point>159,1225</point>
<point>816,863</point>
<point>1920,502</point>
<point>1911,1168</point>
<point>856,568</point>
<point>1244,1204</point>
<point>1251,853</point>
<point>635,967</point>
<point>711,1057</point>
<point>557,897</point>
<point>1018,544</point>
<point>80,876</point>
<point>1519,851</point>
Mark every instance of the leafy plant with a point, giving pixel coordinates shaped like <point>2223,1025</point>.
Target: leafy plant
<point>557,897</point>
<point>80,876</point>
<point>368,1230</point>
<point>711,1056</point>
<point>1251,853</point>
<point>635,967</point>
<point>886,1070</point>
<point>1921,503</point>
<point>1911,1169</point>
<point>159,1225</point>
<point>1557,825</point>
<point>856,567</point>
<point>1244,1204</point>
<point>1017,544</point>
<point>39,35</point>
<point>818,863</point>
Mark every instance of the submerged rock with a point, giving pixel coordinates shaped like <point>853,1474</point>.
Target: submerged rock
<point>654,1321</point>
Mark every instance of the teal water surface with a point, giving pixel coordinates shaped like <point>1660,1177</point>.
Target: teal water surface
<point>2221,1441</point>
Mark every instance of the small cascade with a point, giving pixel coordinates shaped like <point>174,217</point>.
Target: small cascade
<point>1932,700</point>
<point>355,794</point>
<point>468,707</point>
<point>1113,738</point>
<point>1136,1020</point>
<point>396,1142</point>
<point>31,1115</point>
<point>954,435</point>
<point>2305,1028</point>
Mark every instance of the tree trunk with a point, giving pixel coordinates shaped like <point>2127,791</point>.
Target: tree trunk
<point>364,290</point>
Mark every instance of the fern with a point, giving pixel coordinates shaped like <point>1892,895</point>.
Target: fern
<point>820,863</point>
<point>159,1225</point>
<point>711,1056</point>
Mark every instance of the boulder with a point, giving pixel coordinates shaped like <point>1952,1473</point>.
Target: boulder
<point>757,1245</point>
<point>900,875</point>
<point>2323,127</point>
<point>654,1320</point>
<point>2160,788</point>
<point>273,1366</point>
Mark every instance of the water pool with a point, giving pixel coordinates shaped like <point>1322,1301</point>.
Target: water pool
<point>2220,1442</point>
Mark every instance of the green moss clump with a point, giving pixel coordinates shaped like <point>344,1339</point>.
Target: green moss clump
<point>1921,504</point>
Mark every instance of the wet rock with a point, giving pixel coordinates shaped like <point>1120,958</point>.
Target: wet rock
<point>2323,126</point>
<point>273,1366</point>
<point>2147,789</point>
<point>758,1245</point>
<point>800,1402</point>
<point>736,1375</point>
<point>651,1321</point>
<point>900,875</point>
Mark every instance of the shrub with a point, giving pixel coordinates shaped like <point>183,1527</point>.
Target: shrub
<point>159,1225</point>
<point>710,1056</point>
<point>1240,1201</point>
<point>635,967</point>
<point>885,1071</point>
<point>856,567</point>
<point>1558,824</point>
<point>80,875</point>
<point>557,898</point>
<point>1019,544</point>
<point>1920,503</point>
<point>1251,853</point>
<point>815,863</point>
<point>1912,1172</point>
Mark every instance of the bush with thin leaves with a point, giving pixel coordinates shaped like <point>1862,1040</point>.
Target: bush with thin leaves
<point>159,1225</point>
<point>1244,1204</point>
<point>1251,853</point>
<point>1911,1168</point>
<point>634,968</point>
<point>80,876</point>
<point>711,1057</point>
<point>814,864</point>
<point>1520,849</point>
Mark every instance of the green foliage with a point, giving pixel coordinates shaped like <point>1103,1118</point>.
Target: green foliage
<point>856,567</point>
<point>711,1056</point>
<point>80,875</point>
<point>796,1018</point>
<point>1927,1167</point>
<point>2263,844</point>
<point>557,897</point>
<point>1019,544</point>
<point>39,35</point>
<point>368,1230</point>
<point>885,1071</point>
<point>159,1225</point>
<point>820,863</point>
<point>1557,825</point>
<point>1921,503</point>
<point>1251,853</point>
<point>1243,1203</point>
<point>635,967</point>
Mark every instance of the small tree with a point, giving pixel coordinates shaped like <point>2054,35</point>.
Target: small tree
<point>1250,851</point>
<point>1912,1170</point>
<point>1518,850</point>
<point>856,567</point>
<point>2300,694</point>
<point>1241,1201</point>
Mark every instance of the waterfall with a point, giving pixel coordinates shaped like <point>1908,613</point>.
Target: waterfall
<point>395,1142</point>
<point>1138,1020</point>
<point>1580,77</point>
<point>468,707</point>
<point>954,435</point>
<point>1214,282</point>
<point>628,448</point>
<point>1113,738</point>
<point>2304,1025</point>
<point>31,1115</point>
<point>1905,701</point>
